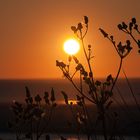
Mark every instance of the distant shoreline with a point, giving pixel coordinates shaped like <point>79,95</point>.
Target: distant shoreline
<point>59,78</point>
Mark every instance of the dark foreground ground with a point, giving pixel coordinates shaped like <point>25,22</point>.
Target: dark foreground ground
<point>128,119</point>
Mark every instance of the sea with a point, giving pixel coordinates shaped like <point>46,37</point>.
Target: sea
<point>124,97</point>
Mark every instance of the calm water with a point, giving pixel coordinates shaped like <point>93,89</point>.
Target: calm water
<point>15,90</point>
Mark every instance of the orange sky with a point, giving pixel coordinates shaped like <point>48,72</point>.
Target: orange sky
<point>32,33</point>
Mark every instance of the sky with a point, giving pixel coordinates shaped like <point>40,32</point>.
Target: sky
<point>32,33</point>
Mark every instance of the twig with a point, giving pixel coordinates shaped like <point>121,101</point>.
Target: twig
<point>131,90</point>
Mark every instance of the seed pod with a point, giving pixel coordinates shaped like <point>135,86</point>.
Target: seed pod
<point>86,19</point>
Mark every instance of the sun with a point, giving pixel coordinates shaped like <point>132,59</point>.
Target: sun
<point>71,46</point>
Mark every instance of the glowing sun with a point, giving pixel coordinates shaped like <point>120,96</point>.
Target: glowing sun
<point>71,46</point>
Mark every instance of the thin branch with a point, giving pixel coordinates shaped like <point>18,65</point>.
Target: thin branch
<point>120,66</point>
<point>138,31</point>
<point>131,90</point>
<point>73,74</point>
<point>114,46</point>
<point>80,91</point>
<point>81,83</point>
<point>89,65</point>
<point>119,92</point>
<point>85,32</point>
<point>46,125</point>
<point>133,37</point>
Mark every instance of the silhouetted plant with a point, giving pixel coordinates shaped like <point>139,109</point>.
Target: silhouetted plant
<point>97,92</point>
<point>123,50</point>
<point>129,29</point>
<point>32,118</point>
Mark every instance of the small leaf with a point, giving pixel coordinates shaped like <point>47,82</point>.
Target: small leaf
<point>130,26</point>
<point>37,98</point>
<point>134,20</point>
<point>120,27</point>
<point>103,32</point>
<point>79,26</point>
<point>65,97</point>
<point>111,37</point>
<point>120,47</point>
<point>128,42</point>
<point>79,67</point>
<point>75,59</point>
<point>86,19</point>
<point>46,94</point>
<point>57,63</point>
<point>109,78</point>
<point>129,48</point>
<point>98,83</point>
<point>27,92</point>
<point>73,28</point>
<point>136,27</point>
<point>124,26</point>
<point>31,100</point>
<point>46,98</point>
<point>62,64</point>
<point>52,95</point>
<point>89,46</point>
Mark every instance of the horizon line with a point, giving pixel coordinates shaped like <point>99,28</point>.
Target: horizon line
<point>59,78</point>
